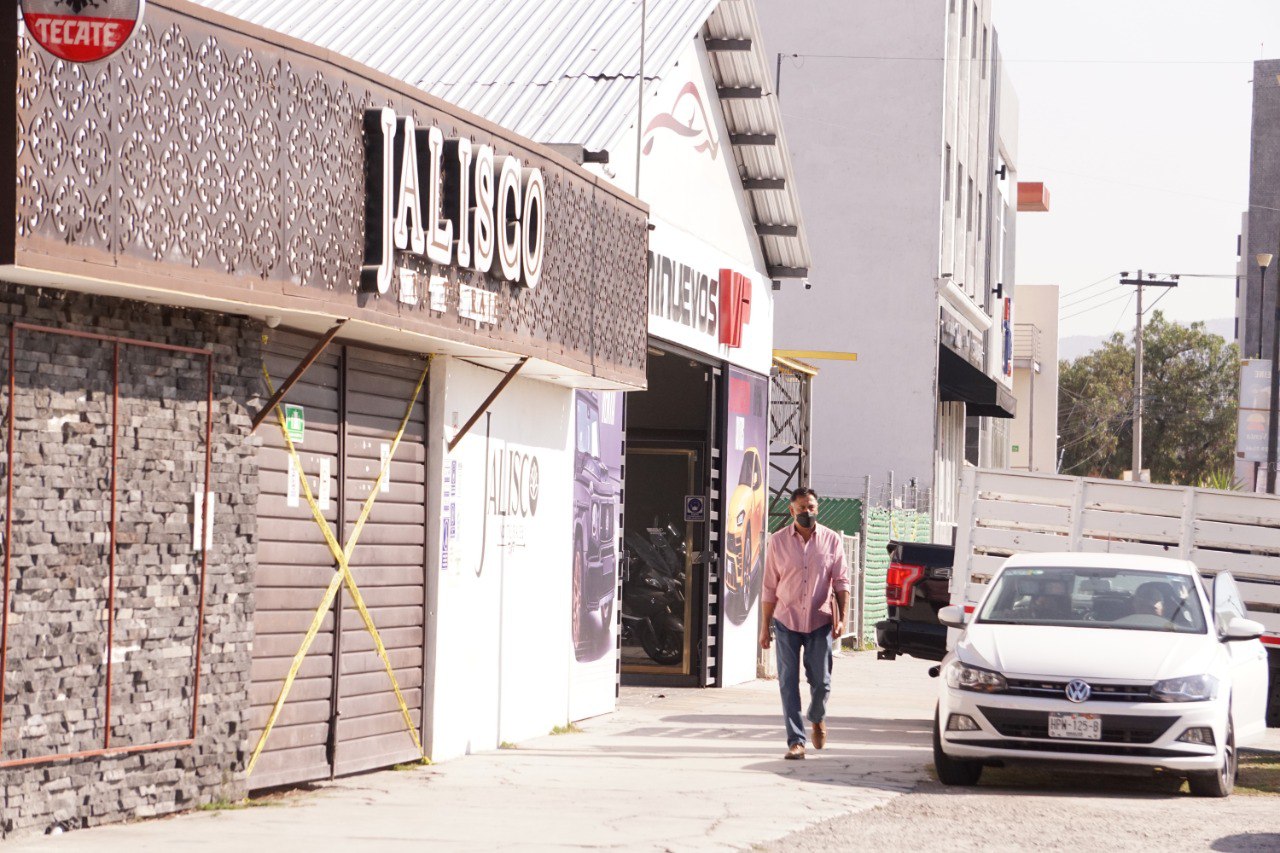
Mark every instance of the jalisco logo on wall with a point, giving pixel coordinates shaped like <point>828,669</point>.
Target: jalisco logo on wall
<point>718,305</point>
<point>445,199</point>
<point>82,30</point>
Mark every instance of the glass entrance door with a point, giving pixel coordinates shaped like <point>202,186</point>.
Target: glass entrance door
<point>658,589</point>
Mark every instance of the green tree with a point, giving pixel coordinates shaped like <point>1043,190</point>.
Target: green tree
<point>1190,379</point>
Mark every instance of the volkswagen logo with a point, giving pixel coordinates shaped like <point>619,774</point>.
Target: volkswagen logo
<point>1077,690</point>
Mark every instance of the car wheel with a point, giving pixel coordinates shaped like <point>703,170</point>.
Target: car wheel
<point>952,771</point>
<point>1220,782</point>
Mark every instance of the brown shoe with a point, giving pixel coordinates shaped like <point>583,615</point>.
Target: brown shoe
<point>819,735</point>
<point>795,751</point>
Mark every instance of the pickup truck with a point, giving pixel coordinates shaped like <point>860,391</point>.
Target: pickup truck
<point>917,586</point>
<point>1002,513</point>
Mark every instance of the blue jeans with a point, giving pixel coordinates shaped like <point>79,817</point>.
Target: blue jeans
<point>815,647</point>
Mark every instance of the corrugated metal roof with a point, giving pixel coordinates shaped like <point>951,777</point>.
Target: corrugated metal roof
<point>787,256</point>
<point>550,70</point>
<point>560,71</point>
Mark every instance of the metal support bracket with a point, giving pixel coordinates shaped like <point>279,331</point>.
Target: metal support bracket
<point>488,401</point>
<point>298,371</point>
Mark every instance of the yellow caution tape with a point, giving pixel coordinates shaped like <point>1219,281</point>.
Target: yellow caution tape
<point>342,575</point>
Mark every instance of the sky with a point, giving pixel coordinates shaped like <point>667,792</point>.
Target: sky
<point>1136,114</point>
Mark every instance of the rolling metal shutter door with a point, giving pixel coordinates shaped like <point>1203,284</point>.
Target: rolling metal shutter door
<point>388,563</point>
<point>294,567</point>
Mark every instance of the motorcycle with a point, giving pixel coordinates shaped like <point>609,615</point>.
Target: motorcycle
<point>653,598</point>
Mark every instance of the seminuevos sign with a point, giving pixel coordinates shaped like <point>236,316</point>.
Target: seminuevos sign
<point>446,200</point>
<point>82,30</point>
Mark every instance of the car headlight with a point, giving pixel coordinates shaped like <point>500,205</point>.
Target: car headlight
<point>742,517</point>
<point>1191,688</point>
<point>595,519</point>
<point>961,676</point>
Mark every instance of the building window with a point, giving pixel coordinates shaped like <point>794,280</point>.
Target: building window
<point>946,173</point>
<point>973,45</point>
<point>964,21</point>
<point>979,215</point>
<point>969,208</point>
<point>972,439</point>
<point>984,53</point>
<point>959,189</point>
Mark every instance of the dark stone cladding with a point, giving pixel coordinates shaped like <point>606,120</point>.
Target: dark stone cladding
<point>57,599</point>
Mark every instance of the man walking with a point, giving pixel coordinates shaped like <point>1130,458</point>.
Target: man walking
<point>804,566</point>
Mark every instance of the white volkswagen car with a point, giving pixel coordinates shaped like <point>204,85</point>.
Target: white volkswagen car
<point>1105,659</point>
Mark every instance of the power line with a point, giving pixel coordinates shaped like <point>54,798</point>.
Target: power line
<point>1063,61</point>
<point>1083,299</point>
<point>1094,307</point>
<point>1106,277</point>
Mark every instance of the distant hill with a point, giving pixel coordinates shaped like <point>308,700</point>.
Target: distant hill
<point>1074,346</point>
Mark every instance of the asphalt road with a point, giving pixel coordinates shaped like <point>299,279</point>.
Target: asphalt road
<point>1023,809</point>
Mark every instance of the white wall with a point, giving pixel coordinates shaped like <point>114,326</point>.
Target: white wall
<point>866,139</point>
<point>1035,430</point>
<point>500,648</point>
<point>698,209</point>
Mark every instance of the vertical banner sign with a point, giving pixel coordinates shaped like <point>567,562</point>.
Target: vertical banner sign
<point>82,30</point>
<point>1254,412</point>
<point>745,497</point>
<point>597,486</point>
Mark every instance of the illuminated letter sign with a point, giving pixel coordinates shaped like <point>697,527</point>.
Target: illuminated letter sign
<point>439,199</point>
<point>735,293</point>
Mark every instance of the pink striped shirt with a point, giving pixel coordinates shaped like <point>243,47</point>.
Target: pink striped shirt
<point>800,576</point>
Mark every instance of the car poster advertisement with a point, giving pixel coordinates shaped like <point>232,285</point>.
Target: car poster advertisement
<point>597,486</point>
<point>746,497</point>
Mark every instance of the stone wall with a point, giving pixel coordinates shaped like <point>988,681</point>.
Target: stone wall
<point>55,692</point>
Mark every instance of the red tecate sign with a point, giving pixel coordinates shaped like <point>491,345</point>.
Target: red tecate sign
<point>82,30</point>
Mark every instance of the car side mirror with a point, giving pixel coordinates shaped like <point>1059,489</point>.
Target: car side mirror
<point>1240,628</point>
<point>953,616</point>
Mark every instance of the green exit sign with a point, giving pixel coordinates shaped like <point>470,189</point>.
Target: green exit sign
<point>295,423</point>
<point>1015,448</point>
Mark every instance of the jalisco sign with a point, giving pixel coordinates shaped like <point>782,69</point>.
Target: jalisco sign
<point>263,208</point>
<point>430,196</point>
<point>82,30</point>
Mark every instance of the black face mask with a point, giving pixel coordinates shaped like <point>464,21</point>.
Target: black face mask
<point>806,519</point>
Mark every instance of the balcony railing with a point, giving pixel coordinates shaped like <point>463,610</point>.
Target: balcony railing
<point>1026,345</point>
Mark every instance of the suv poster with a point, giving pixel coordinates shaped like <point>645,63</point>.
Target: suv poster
<point>746,506</point>
<point>597,485</point>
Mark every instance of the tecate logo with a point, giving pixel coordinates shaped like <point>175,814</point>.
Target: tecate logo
<point>1077,690</point>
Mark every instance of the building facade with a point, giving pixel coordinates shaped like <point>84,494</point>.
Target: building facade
<point>1256,306</point>
<point>904,134</point>
<point>1033,439</point>
<point>701,142</point>
<point>293,355</point>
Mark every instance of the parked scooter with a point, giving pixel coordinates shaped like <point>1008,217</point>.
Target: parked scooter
<point>653,600</point>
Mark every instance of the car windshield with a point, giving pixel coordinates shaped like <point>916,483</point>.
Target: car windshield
<point>1095,598</point>
<point>588,429</point>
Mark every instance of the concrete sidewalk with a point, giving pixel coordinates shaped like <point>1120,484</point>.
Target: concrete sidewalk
<point>671,770</point>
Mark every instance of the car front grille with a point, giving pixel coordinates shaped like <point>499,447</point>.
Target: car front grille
<point>1116,728</point>
<point>1054,689</point>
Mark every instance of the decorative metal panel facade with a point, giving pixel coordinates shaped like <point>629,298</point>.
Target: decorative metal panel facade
<point>231,162</point>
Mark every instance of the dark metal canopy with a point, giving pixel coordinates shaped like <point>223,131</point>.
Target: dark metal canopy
<point>960,381</point>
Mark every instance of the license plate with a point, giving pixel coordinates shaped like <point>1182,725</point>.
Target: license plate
<point>1075,726</point>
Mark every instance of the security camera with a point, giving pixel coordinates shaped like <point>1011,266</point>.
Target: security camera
<point>807,285</point>
<point>273,321</point>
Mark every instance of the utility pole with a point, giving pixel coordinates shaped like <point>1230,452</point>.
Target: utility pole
<point>1139,282</point>
<point>1274,413</point>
